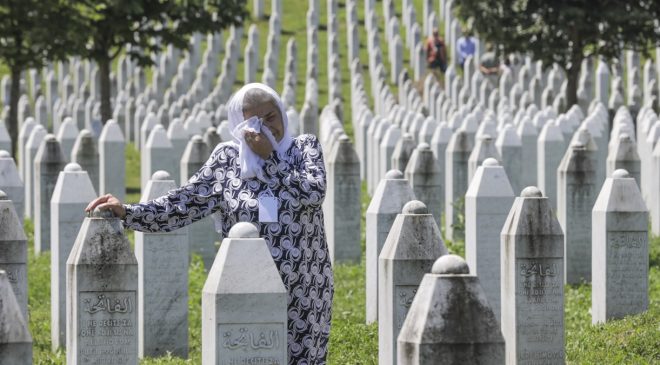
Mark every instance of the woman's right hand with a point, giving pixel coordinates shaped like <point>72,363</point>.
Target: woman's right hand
<point>107,202</point>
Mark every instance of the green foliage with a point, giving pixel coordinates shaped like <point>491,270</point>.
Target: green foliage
<point>565,31</point>
<point>106,26</point>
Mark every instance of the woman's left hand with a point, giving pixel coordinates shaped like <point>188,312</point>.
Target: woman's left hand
<point>259,144</point>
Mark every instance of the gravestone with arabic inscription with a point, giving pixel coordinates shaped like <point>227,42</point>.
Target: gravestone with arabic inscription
<point>343,202</point>
<point>620,244</point>
<point>201,234</point>
<point>487,204</point>
<point>11,183</point>
<point>450,319</point>
<point>244,316</point>
<point>411,248</point>
<point>392,193</point>
<point>163,282</point>
<point>73,191</point>
<point>15,339</point>
<point>13,251</point>
<point>532,261</point>
<point>102,293</point>
<point>48,163</point>
<point>576,193</point>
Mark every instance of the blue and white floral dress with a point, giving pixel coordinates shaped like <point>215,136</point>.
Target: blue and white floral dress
<point>297,241</point>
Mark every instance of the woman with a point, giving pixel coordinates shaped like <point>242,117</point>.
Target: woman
<point>239,181</point>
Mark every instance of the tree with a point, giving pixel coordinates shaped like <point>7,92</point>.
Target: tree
<point>565,31</point>
<point>31,32</point>
<point>108,26</point>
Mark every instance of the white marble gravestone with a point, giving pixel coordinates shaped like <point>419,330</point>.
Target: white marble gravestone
<point>11,183</point>
<point>101,287</point>
<point>156,154</point>
<point>72,192</point>
<point>32,145</point>
<point>15,339</point>
<point>509,147</point>
<point>487,204</point>
<point>623,155</point>
<point>244,314</point>
<point>112,164</point>
<point>5,139</point>
<point>532,275</point>
<point>457,155</point>
<point>162,282</point>
<point>86,154</point>
<point>550,150</point>
<point>343,203</point>
<point>450,320</point>
<point>391,194</point>
<point>202,234</point>
<point>48,163</point>
<point>411,248</point>
<point>484,148</point>
<point>67,135</point>
<point>620,250</point>
<point>21,148</point>
<point>576,193</point>
<point>424,178</point>
<point>13,252</point>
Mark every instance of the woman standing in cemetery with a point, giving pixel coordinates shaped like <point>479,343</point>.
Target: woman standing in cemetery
<point>274,181</point>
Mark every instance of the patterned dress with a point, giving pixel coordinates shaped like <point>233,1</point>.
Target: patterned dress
<point>297,241</point>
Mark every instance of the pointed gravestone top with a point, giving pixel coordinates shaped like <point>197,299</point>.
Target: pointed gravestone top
<point>13,328</point>
<point>450,265</point>
<point>111,132</point>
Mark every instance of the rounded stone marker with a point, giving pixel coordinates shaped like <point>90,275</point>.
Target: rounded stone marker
<point>394,174</point>
<point>72,167</point>
<point>160,175</point>
<point>4,154</point>
<point>490,162</point>
<point>450,265</point>
<point>50,138</point>
<point>415,207</point>
<point>531,192</point>
<point>424,146</point>
<point>102,213</point>
<point>196,138</point>
<point>3,195</point>
<point>620,174</point>
<point>243,230</point>
<point>344,138</point>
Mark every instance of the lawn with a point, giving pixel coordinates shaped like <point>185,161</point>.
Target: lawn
<point>633,340</point>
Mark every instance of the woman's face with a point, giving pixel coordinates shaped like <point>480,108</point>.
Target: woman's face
<point>271,116</point>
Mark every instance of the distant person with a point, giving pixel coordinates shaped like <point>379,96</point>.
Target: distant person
<point>466,45</point>
<point>490,65</point>
<point>436,55</point>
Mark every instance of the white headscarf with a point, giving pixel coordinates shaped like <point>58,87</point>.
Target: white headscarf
<point>251,163</point>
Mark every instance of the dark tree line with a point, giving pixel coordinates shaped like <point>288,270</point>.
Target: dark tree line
<point>565,31</point>
<point>33,32</point>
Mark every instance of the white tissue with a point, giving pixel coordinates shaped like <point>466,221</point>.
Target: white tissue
<point>250,162</point>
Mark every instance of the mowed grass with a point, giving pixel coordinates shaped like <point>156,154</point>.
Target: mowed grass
<point>634,340</point>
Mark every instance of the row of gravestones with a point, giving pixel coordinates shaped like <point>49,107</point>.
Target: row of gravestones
<point>529,259</point>
<point>103,160</point>
<point>107,295</point>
